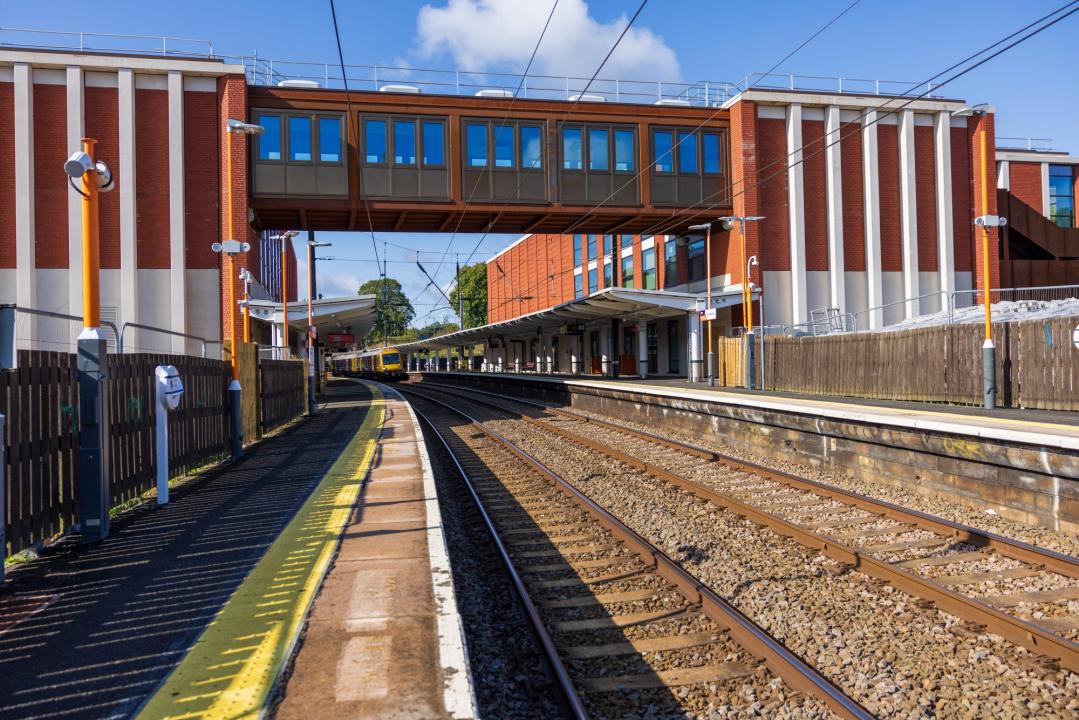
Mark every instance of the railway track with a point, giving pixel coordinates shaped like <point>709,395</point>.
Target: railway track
<point>992,582</point>
<point>623,626</point>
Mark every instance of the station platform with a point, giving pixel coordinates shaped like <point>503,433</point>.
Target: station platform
<point>194,609</point>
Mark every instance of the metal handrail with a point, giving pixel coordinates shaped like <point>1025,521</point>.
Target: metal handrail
<point>1037,288</point>
<point>61,316</point>
<point>163,331</point>
<point>82,46</point>
<point>904,301</point>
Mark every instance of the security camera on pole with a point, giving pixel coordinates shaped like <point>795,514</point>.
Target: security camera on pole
<point>94,176</point>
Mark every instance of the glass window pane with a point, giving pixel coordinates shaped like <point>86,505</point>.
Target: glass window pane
<point>608,244</point>
<point>404,142</point>
<point>648,268</point>
<point>433,143</point>
<point>375,136</point>
<point>270,140</point>
<point>623,150</point>
<point>504,146</point>
<point>329,139</point>
<point>531,148</point>
<point>608,274</point>
<point>687,152</point>
<point>598,149</point>
<point>695,256</point>
<point>571,148</point>
<point>627,271</point>
<point>299,139</point>
<point>710,145</point>
<point>627,240</point>
<point>577,250</point>
<point>591,247</point>
<point>593,279</point>
<point>476,137</point>
<point>670,263</point>
<point>664,141</point>
<point>577,288</point>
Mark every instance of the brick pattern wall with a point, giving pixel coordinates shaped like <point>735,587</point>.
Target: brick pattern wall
<point>7,170</point>
<point>152,190</point>
<point>202,185</point>
<point>772,192</point>
<point>745,168</point>
<point>891,259</point>
<point>984,123</point>
<point>962,200</point>
<point>232,103</point>
<point>853,197</point>
<point>925,197</point>
<point>50,183</point>
<point>1026,182</point>
<point>815,191</point>
<point>103,124</point>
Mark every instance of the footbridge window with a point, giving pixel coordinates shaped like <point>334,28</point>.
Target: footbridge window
<point>403,157</point>
<point>299,153</point>
<point>689,166</point>
<point>504,160</point>
<point>598,164</point>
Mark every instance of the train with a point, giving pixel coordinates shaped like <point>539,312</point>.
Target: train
<point>378,364</point>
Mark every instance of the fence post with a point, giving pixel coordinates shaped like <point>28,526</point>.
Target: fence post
<point>93,473</point>
<point>8,355</point>
<point>3,508</point>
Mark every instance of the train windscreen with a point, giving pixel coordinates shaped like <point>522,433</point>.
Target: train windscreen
<point>389,358</point>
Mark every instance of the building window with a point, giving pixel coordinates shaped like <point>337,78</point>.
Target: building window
<point>270,140</point>
<point>695,256</point>
<point>299,139</point>
<point>404,142</point>
<point>577,290</point>
<point>374,134</point>
<point>504,155</point>
<point>608,244</point>
<point>591,247</point>
<point>673,361</point>
<point>577,250</point>
<point>687,153</point>
<point>476,139</point>
<point>670,263</point>
<point>434,143</point>
<point>648,268</point>
<point>598,150</point>
<point>531,148</point>
<point>1061,195</point>
<point>663,143</point>
<point>608,274</point>
<point>627,271</point>
<point>593,280</point>
<point>329,140</point>
<point>571,149</point>
<point>623,151</point>
<point>627,241</point>
<point>713,161</point>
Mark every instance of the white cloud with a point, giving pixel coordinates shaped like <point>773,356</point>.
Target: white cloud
<point>480,35</point>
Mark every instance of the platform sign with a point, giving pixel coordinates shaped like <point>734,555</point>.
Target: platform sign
<point>709,314</point>
<point>340,338</point>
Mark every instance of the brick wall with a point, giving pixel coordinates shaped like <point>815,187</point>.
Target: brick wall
<point>925,197</point>
<point>202,185</point>
<point>891,259</point>
<point>962,201</point>
<point>1026,182</point>
<point>772,193</point>
<point>152,171</point>
<point>7,170</point>
<point>103,124</point>
<point>232,103</point>
<point>853,197</point>
<point>815,194</point>
<point>50,183</point>
<point>745,166</point>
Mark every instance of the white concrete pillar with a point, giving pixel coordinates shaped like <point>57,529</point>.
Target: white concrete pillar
<point>517,350</point>
<point>871,185</point>
<point>908,213</point>
<point>833,161</point>
<point>1046,208</point>
<point>25,290</point>
<point>942,165</point>
<point>1004,175</point>
<point>693,345</point>
<point>177,260</point>
<point>574,357</point>
<point>76,131</point>
<point>538,359</point>
<point>605,349</point>
<point>796,206</point>
<point>125,93</point>
<point>642,349</point>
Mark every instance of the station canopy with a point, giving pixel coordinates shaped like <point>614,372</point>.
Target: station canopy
<point>355,314</point>
<point>627,304</point>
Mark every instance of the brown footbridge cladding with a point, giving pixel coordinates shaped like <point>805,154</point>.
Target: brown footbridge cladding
<point>1035,483</point>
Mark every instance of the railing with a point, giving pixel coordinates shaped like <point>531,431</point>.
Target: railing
<point>831,84</point>
<point>1044,293</point>
<point>162,331</point>
<point>943,305</point>
<point>9,334</point>
<point>164,45</point>
<point>1004,142</point>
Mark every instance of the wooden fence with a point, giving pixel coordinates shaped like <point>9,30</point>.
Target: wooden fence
<point>40,403</point>
<point>282,386</point>
<point>1037,366</point>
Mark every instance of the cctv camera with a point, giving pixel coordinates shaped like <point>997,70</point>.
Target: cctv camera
<point>78,165</point>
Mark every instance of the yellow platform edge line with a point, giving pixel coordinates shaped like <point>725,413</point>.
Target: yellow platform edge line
<point>197,687</point>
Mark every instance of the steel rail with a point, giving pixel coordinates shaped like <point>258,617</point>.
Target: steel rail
<point>1023,633</point>
<point>798,675</point>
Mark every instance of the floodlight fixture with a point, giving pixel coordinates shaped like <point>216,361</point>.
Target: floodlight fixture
<point>239,127</point>
<point>979,109</point>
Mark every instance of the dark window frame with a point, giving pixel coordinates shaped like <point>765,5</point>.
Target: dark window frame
<point>285,137</point>
<point>444,123</point>
<point>676,150</point>
<point>645,271</point>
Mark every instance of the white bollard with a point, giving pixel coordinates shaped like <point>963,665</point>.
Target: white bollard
<point>169,390</point>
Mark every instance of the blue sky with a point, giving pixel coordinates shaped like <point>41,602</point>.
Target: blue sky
<point>1032,87</point>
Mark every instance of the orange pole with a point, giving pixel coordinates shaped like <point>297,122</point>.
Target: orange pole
<point>284,295</point>
<point>247,316</point>
<point>91,258</point>
<point>985,236</point>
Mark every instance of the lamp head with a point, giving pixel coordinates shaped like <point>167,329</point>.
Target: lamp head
<point>702,226</point>
<point>78,165</point>
<point>979,109</point>
<point>233,125</point>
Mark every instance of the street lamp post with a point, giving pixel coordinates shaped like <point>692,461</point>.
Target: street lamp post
<point>751,346</point>
<point>311,245</point>
<point>231,247</point>
<point>285,238</point>
<point>709,311</point>
<point>729,221</point>
<point>986,221</point>
<point>246,278</point>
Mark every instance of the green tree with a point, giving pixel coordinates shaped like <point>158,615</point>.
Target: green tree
<point>474,287</point>
<point>393,311</point>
